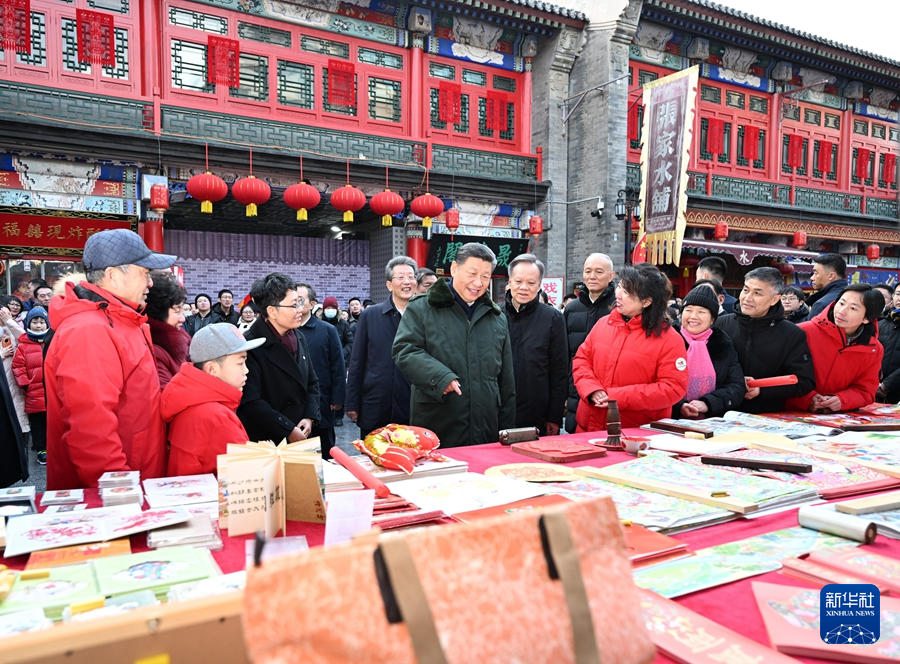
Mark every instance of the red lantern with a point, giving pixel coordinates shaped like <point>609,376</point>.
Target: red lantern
<point>451,219</point>
<point>159,198</point>
<point>208,189</point>
<point>251,191</point>
<point>427,206</point>
<point>386,204</point>
<point>799,240</point>
<point>873,252</point>
<point>721,231</point>
<point>784,267</point>
<point>302,197</point>
<point>348,199</point>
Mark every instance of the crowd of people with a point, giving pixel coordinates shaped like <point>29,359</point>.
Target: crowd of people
<point>119,372</point>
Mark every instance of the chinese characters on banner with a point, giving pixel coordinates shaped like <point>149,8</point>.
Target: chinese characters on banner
<point>555,288</point>
<point>442,251</point>
<point>66,234</point>
<point>669,105</point>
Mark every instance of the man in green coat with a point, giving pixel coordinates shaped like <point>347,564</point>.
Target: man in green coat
<point>453,345</point>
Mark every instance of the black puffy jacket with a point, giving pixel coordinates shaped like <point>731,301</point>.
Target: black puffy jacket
<point>889,336</point>
<point>581,315</point>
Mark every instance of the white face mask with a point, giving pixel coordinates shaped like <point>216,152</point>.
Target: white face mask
<point>330,313</point>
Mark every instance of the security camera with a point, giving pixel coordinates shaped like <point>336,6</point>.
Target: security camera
<point>599,211</point>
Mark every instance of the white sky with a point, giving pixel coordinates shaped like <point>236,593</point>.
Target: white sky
<point>870,25</point>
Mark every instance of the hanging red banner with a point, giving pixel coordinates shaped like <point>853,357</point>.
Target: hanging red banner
<point>634,118</point>
<point>795,151</point>
<point>223,57</point>
<point>715,136</point>
<point>15,26</point>
<point>890,168</point>
<point>751,143</point>
<point>449,95</point>
<point>496,111</point>
<point>96,38</point>
<point>824,162</point>
<point>341,79</point>
<point>862,163</point>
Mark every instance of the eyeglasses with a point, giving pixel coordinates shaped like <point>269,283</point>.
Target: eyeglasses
<point>402,278</point>
<point>297,306</point>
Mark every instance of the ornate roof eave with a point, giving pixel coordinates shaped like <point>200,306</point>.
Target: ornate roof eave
<point>747,31</point>
<point>543,14</point>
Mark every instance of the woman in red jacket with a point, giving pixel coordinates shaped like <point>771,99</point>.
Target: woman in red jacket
<point>632,356</point>
<point>845,351</point>
<point>28,369</point>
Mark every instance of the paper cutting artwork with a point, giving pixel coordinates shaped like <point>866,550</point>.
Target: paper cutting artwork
<point>651,510</point>
<point>533,472</point>
<point>152,570</point>
<point>860,446</point>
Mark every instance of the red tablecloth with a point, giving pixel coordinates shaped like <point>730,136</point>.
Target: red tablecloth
<point>731,605</point>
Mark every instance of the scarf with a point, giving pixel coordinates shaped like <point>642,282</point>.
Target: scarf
<point>288,339</point>
<point>701,373</point>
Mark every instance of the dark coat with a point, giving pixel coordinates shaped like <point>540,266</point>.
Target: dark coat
<point>435,344</point>
<point>766,347</point>
<point>376,388</point>
<point>345,335</point>
<point>889,336</point>
<point>798,316</point>
<point>234,317</point>
<point>581,315</point>
<point>728,304</point>
<point>328,362</point>
<point>195,323</point>
<point>819,301</point>
<point>730,386</point>
<point>540,362</point>
<point>13,453</point>
<point>280,390</point>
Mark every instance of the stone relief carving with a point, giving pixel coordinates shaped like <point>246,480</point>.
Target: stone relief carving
<point>854,90</point>
<point>698,49</point>
<point>783,71</point>
<point>881,98</point>
<point>738,60</point>
<point>652,35</point>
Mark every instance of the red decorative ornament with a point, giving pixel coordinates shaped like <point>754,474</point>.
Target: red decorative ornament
<point>208,189</point>
<point>824,160</point>
<point>783,267</point>
<point>348,199</point>
<point>799,240</point>
<point>451,220</point>
<point>252,192</point>
<point>890,168</point>
<point>536,228</point>
<point>386,204</point>
<point>863,156</point>
<point>302,197</point>
<point>634,118</point>
<point>873,252</point>
<point>341,83</point>
<point>15,26</point>
<point>223,57</point>
<point>715,136</point>
<point>795,151</point>
<point>751,143</point>
<point>427,206</point>
<point>721,231</point>
<point>159,198</point>
<point>449,95</point>
<point>96,38</point>
<point>496,111</point>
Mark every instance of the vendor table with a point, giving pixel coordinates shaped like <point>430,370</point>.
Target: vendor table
<point>731,605</point>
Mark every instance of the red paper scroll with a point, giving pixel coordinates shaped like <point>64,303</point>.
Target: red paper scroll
<point>341,77</point>
<point>751,143</point>
<point>862,163</point>
<point>96,38</point>
<point>223,58</point>
<point>824,161</point>
<point>496,111</point>
<point>634,129</point>
<point>715,136</point>
<point>795,151</point>
<point>15,26</point>
<point>890,168</point>
<point>449,101</point>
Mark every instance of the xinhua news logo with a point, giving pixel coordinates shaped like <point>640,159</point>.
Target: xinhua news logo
<point>851,614</point>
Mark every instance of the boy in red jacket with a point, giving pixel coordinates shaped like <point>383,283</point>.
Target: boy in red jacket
<point>199,402</point>
<point>28,369</point>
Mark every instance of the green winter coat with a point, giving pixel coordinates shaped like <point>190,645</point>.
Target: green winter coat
<point>436,344</point>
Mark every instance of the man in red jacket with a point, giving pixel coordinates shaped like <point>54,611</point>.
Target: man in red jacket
<point>102,385</point>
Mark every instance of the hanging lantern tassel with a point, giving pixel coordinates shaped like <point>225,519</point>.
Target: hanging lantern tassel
<point>302,197</point>
<point>208,189</point>
<point>427,206</point>
<point>348,199</point>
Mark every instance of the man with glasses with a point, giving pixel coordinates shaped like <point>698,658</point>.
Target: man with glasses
<point>102,386</point>
<point>281,396</point>
<point>795,309</point>
<point>377,392</point>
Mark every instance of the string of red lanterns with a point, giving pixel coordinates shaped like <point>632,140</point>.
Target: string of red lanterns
<point>302,196</point>
<point>386,203</point>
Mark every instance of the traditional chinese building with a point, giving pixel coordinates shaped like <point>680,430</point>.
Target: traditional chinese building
<point>795,142</point>
<point>101,103</point>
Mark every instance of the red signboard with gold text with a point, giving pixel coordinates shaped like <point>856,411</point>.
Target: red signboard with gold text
<point>45,232</point>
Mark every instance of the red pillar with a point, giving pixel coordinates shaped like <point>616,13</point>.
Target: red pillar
<point>526,107</point>
<point>417,249</point>
<point>153,235</point>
